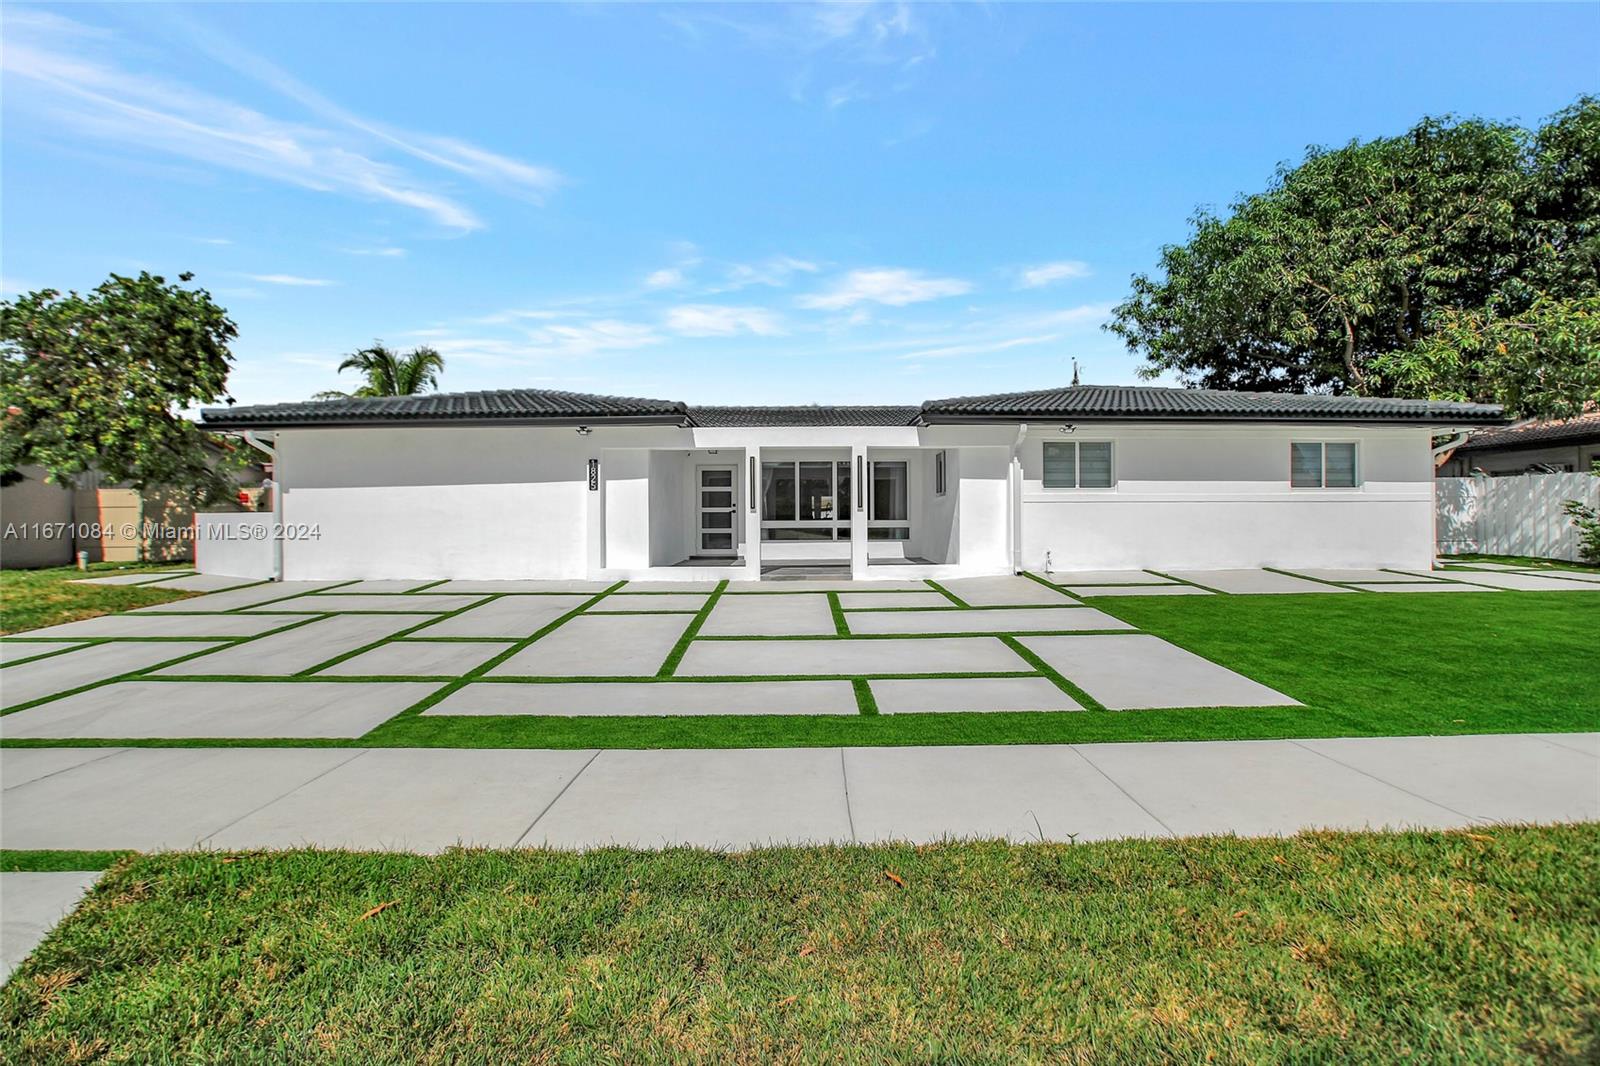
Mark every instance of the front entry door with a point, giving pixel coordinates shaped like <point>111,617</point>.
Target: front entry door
<point>716,506</point>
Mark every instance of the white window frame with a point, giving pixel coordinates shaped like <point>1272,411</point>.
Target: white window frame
<point>841,520</point>
<point>1322,476</point>
<point>1077,466</point>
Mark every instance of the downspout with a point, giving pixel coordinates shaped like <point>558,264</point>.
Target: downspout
<point>1014,479</point>
<point>251,438</point>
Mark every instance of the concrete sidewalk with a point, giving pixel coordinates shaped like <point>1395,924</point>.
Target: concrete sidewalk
<point>425,799</point>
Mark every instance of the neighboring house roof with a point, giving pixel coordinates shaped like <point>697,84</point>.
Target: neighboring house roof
<point>1151,403</point>
<point>814,415</point>
<point>1080,402</point>
<point>1536,434</point>
<point>502,405</point>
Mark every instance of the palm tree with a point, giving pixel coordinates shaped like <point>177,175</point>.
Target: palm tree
<point>391,373</point>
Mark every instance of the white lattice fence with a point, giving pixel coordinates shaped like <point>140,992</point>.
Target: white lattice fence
<point>1518,515</point>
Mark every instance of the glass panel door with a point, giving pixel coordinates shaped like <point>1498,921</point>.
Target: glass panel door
<point>716,506</point>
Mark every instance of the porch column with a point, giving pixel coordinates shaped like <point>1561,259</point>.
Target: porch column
<point>858,504</point>
<point>750,478</point>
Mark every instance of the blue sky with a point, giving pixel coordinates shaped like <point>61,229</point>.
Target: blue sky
<point>781,204</point>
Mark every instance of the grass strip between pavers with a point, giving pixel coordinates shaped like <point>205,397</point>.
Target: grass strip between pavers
<point>1055,676</point>
<point>669,666</point>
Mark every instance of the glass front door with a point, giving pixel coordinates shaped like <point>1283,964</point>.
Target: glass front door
<point>716,507</point>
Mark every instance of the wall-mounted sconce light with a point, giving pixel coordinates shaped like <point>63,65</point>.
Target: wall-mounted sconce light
<point>584,431</point>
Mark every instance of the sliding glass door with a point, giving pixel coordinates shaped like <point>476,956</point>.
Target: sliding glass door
<point>809,500</point>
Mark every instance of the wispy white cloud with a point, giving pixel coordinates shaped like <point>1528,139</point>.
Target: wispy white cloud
<point>291,280</point>
<point>713,320</point>
<point>894,287</point>
<point>54,65</point>
<point>219,241</point>
<point>774,271</point>
<point>385,252</point>
<point>979,347</point>
<point>1042,274</point>
<point>665,278</point>
<point>548,342</point>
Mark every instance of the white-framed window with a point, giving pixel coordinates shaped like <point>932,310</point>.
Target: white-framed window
<point>1323,465</point>
<point>938,472</point>
<point>1078,464</point>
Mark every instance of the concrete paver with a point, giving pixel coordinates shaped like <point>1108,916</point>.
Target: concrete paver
<point>466,585</point>
<point>1137,670</point>
<point>657,601</point>
<point>172,625</point>
<point>234,599</point>
<point>916,655</point>
<point>599,646</point>
<point>1257,788</point>
<point>508,616</point>
<point>1021,793</point>
<point>1106,577</point>
<point>669,586</point>
<point>1068,616</point>
<point>1504,778</point>
<point>204,583</point>
<point>926,598</point>
<point>30,906</point>
<point>736,798</point>
<point>384,584</point>
<point>923,695</point>
<point>416,658</point>
<point>151,799</point>
<point>1089,591</point>
<point>337,601</point>
<point>1357,576</point>
<point>15,651</point>
<point>256,709</point>
<point>61,673</point>
<point>583,699</point>
<point>769,616</point>
<point>413,799</point>
<point>1422,586</point>
<point>1003,591</point>
<point>1524,582</point>
<point>1253,582</point>
<point>824,584</point>
<point>301,648</point>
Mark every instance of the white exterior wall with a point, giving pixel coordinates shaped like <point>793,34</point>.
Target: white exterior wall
<point>513,501</point>
<point>234,543</point>
<point>441,501</point>
<point>1216,497</point>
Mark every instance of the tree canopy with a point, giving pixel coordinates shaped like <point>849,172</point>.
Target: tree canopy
<point>98,380</point>
<point>1460,260</point>
<point>392,373</point>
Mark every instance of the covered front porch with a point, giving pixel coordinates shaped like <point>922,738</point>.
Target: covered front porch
<point>771,505</point>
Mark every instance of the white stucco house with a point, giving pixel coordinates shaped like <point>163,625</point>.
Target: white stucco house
<point>528,483</point>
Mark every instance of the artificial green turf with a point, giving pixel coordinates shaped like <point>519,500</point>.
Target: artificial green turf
<point>33,599</point>
<point>1348,947</point>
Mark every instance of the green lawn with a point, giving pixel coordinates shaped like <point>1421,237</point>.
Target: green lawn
<point>33,599</point>
<point>1324,947</point>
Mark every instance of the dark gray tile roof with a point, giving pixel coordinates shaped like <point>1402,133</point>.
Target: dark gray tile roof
<point>814,415</point>
<point>1535,434</point>
<point>1146,402</point>
<point>509,405</point>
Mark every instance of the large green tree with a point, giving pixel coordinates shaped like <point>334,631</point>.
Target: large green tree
<point>98,380</point>
<point>1395,266</point>
<point>392,373</point>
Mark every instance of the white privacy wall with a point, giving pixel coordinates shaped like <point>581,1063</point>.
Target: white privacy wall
<point>234,543</point>
<point>1215,497</point>
<point>440,501</point>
